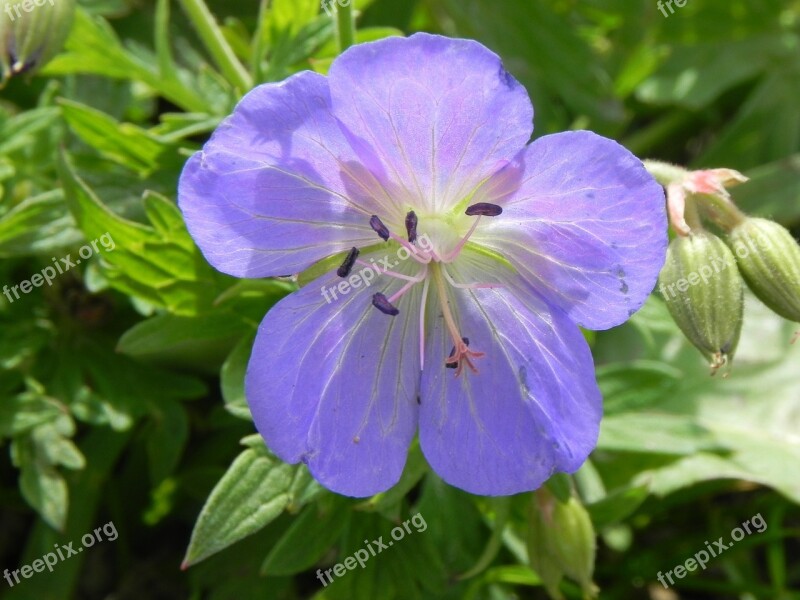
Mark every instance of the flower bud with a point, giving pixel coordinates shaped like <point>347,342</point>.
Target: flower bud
<point>31,33</point>
<point>704,293</point>
<point>769,259</point>
<point>561,541</point>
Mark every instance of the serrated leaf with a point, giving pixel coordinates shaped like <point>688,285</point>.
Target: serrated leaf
<point>162,266</point>
<point>123,143</point>
<point>38,225</point>
<point>94,48</point>
<point>253,492</point>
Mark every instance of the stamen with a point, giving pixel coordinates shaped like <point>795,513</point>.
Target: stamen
<point>484,209</point>
<point>349,261</point>
<point>411,226</point>
<point>411,283</point>
<point>380,302</point>
<point>382,271</point>
<point>457,250</point>
<point>461,353</point>
<point>425,287</point>
<point>379,228</point>
<point>414,252</point>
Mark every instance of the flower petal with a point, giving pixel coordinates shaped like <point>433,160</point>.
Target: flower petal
<point>533,409</point>
<point>335,384</point>
<point>278,187</point>
<point>434,115</point>
<point>583,223</point>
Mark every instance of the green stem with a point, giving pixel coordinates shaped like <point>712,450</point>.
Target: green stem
<point>217,45</point>
<point>345,26</point>
<point>258,42</point>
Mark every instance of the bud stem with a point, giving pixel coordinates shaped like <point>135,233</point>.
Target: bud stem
<point>217,45</point>
<point>345,26</point>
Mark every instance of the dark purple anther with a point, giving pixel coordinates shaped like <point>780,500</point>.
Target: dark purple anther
<point>379,228</point>
<point>484,209</point>
<point>380,302</point>
<point>349,261</point>
<point>411,226</point>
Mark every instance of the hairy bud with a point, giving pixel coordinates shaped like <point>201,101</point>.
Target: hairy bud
<point>561,541</point>
<point>31,33</point>
<point>769,259</point>
<point>704,294</point>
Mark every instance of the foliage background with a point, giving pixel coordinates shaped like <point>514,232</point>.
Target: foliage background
<point>121,385</point>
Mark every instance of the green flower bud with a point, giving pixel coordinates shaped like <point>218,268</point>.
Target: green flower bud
<point>704,293</point>
<point>561,541</point>
<point>769,259</point>
<point>31,33</point>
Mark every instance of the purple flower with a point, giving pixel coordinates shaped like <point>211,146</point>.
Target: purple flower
<point>466,261</point>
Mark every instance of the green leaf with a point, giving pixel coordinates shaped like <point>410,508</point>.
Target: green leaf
<point>44,488</point>
<point>123,143</point>
<point>200,342</point>
<point>309,537</point>
<point>158,264</point>
<point>660,433</point>
<point>232,379</point>
<point>253,492</point>
<point>635,385</point>
<point>38,225</point>
<point>20,131</point>
<point>617,506</point>
<point>694,76</point>
<point>22,413</point>
<point>166,438</point>
<point>94,48</point>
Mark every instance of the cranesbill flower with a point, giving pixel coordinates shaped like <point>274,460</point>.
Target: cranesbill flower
<point>466,260</point>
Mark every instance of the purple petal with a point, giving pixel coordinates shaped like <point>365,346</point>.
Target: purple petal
<point>533,409</point>
<point>434,115</point>
<point>335,384</point>
<point>584,224</point>
<point>278,187</point>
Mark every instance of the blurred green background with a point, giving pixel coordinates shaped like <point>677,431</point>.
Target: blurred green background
<point>121,395</point>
